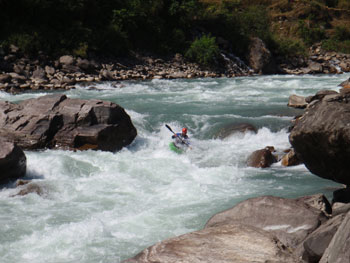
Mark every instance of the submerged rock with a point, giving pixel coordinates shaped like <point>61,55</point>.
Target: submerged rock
<point>55,121</point>
<point>262,158</point>
<point>235,128</point>
<point>13,162</point>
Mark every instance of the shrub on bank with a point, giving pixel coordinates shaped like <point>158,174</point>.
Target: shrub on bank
<point>204,51</point>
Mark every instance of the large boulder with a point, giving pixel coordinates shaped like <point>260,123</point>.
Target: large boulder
<point>314,246</point>
<point>226,243</point>
<point>260,58</point>
<point>13,162</point>
<point>290,220</point>
<point>338,250</point>
<point>55,121</point>
<point>321,137</point>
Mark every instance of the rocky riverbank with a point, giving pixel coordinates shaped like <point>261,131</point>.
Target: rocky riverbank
<point>20,73</point>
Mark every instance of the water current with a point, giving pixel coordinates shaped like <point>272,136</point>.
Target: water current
<point>106,207</point>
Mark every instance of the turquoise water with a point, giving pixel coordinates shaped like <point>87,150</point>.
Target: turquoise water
<point>105,207</point>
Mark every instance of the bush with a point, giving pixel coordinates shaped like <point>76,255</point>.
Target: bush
<point>337,46</point>
<point>342,33</point>
<point>287,47</point>
<point>204,51</point>
<point>310,35</point>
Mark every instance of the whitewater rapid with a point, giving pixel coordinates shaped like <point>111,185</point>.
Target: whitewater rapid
<point>106,207</point>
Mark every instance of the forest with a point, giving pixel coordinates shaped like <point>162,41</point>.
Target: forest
<point>197,29</point>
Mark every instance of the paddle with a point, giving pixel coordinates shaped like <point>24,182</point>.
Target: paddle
<point>166,125</point>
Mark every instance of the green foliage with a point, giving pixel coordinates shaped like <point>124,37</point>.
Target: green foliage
<point>342,33</point>
<point>204,51</point>
<point>310,34</point>
<point>345,4</point>
<point>340,40</point>
<point>287,47</point>
<point>338,46</point>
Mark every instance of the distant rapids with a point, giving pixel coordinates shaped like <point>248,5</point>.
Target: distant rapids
<point>106,207</point>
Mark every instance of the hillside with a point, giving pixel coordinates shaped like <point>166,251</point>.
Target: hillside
<point>198,29</point>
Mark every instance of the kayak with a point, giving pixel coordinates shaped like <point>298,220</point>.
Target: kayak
<point>175,148</point>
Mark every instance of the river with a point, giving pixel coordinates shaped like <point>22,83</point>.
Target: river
<point>106,207</point>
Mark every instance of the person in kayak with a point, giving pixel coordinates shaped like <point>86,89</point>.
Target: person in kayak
<point>181,138</point>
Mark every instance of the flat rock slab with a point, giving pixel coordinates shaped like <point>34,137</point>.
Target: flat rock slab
<point>228,243</point>
<point>290,220</point>
<point>55,121</point>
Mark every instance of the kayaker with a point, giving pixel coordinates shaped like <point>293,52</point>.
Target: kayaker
<point>181,138</point>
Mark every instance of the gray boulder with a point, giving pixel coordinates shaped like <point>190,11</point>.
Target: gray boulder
<point>321,138</point>
<point>290,220</point>
<point>260,58</point>
<point>314,246</point>
<point>13,162</point>
<point>338,250</point>
<point>222,244</point>
<point>55,121</point>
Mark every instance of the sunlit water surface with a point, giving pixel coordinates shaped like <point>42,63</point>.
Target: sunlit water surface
<point>106,207</point>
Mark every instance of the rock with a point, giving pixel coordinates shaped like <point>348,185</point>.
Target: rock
<point>260,59</point>
<point>296,101</point>
<point>5,78</point>
<point>235,128</point>
<point>318,201</point>
<point>321,138</point>
<point>290,159</point>
<point>340,208</point>
<point>84,64</point>
<point>66,60</point>
<point>314,246</point>
<point>50,70</point>
<point>320,95</point>
<point>39,73</point>
<point>338,250</point>
<point>29,188</point>
<point>341,195</point>
<point>290,220</point>
<point>55,121</point>
<point>13,162</point>
<point>315,67</point>
<point>106,74</point>
<point>262,158</point>
<point>345,83</point>
<point>226,243</point>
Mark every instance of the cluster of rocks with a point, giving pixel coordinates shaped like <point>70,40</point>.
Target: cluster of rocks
<point>55,121</point>
<point>320,136</point>
<point>318,61</point>
<point>263,229</point>
<point>19,73</point>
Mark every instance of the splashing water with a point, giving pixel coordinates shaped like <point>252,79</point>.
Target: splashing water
<point>106,207</point>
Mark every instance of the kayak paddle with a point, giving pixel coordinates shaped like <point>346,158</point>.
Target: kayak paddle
<point>166,125</point>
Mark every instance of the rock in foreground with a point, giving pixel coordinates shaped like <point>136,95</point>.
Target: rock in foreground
<point>227,243</point>
<point>13,162</point>
<point>55,121</point>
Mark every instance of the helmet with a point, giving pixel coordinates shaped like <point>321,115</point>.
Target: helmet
<point>184,130</point>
